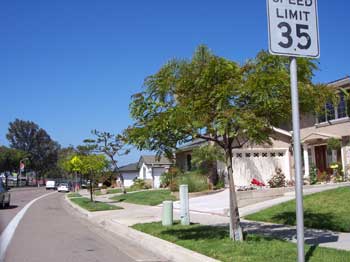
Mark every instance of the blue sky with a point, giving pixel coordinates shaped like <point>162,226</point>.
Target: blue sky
<point>71,66</point>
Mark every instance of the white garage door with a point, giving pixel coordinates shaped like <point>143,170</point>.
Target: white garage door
<point>259,164</point>
<point>157,172</point>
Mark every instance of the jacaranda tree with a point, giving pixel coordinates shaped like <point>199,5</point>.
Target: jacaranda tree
<point>221,101</point>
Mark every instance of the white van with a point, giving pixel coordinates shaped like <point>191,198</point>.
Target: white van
<point>50,184</point>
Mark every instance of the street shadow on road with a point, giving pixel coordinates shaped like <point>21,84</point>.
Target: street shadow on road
<point>10,207</point>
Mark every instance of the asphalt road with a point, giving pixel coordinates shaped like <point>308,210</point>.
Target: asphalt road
<point>19,198</point>
<point>52,231</point>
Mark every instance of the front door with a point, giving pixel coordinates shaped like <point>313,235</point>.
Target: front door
<point>320,155</point>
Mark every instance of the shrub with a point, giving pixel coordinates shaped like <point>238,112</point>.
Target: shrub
<point>337,172</point>
<point>220,183</point>
<point>278,179</point>
<point>333,144</point>
<point>196,182</point>
<point>140,184</point>
<point>323,176</point>
<point>313,174</point>
<point>167,178</point>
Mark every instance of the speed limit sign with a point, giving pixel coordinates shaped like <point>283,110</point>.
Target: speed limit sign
<point>293,28</point>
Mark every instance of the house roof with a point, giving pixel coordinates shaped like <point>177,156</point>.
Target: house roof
<point>315,136</point>
<point>282,131</point>
<point>154,160</point>
<point>129,168</point>
<point>193,144</point>
<point>345,81</point>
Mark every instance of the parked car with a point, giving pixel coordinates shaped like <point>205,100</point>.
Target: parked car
<point>50,184</point>
<point>5,196</point>
<point>63,187</point>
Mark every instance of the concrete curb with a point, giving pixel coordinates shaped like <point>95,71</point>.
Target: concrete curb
<point>166,249</point>
<point>78,208</point>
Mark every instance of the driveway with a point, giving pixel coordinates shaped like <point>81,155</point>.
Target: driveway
<point>218,203</point>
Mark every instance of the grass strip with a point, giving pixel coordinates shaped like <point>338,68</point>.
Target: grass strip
<point>73,195</point>
<point>150,197</point>
<point>93,206</point>
<point>214,241</point>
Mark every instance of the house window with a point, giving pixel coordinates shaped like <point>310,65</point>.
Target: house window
<point>342,106</point>
<point>189,162</point>
<point>331,113</point>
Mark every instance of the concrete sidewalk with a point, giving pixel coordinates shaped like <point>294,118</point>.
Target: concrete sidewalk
<point>134,214</point>
<point>204,211</point>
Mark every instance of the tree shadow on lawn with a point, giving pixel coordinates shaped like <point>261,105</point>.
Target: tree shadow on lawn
<point>312,220</point>
<point>312,236</point>
<point>262,232</point>
<point>199,232</point>
<point>212,232</point>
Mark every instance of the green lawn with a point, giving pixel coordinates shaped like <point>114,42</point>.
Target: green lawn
<point>112,191</point>
<point>215,242</point>
<point>326,210</point>
<point>73,195</point>
<point>150,197</point>
<point>93,206</point>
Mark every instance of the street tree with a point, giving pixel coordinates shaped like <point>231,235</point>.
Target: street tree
<point>220,101</point>
<point>30,138</point>
<point>10,160</point>
<point>91,166</point>
<point>112,146</point>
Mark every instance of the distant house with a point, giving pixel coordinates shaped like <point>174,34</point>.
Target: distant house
<point>129,172</point>
<point>151,168</point>
<point>147,168</point>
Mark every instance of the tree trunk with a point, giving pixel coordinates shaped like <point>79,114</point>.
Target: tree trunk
<point>122,183</point>
<point>91,189</point>
<point>235,227</point>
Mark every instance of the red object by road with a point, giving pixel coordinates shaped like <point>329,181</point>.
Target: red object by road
<point>257,182</point>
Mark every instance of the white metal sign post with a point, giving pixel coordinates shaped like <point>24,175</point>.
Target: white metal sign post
<point>293,32</point>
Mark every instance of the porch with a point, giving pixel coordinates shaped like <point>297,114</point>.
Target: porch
<point>317,153</point>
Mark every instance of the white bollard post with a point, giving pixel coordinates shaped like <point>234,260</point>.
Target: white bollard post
<point>167,214</point>
<point>184,211</point>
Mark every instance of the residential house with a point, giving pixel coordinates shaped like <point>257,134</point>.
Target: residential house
<point>129,172</point>
<point>152,167</point>
<point>260,161</point>
<point>148,168</point>
<point>333,123</point>
<point>251,161</point>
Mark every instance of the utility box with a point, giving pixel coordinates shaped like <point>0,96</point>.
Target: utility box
<point>184,211</point>
<point>167,215</point>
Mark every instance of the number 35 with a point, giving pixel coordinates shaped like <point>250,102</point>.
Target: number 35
<point>300,34</point>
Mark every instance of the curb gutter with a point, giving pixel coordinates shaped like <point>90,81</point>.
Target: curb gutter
<point>166,249</point>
